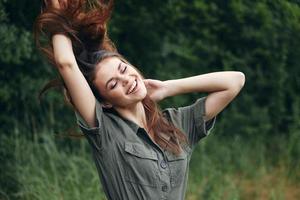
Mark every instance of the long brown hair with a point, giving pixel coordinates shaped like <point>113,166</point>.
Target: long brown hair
<point>86,25</point>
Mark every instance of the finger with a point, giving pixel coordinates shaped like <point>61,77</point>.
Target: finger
<point>146,82</point>
<point>62,3</point>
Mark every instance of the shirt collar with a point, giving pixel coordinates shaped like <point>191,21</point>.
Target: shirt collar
<point>130,123</point>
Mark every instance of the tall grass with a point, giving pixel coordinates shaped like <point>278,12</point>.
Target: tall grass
<point>48,171</point>
<point>257,168</point>
<point>233,169</point>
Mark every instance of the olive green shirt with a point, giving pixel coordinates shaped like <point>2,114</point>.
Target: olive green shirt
<point>131,166</point>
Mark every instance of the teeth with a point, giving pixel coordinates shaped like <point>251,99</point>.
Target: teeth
<point>132,87</point>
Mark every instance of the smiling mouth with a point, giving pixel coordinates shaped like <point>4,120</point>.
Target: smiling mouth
<point>133,87</point>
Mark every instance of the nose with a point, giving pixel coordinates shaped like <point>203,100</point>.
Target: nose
<point>124,79</point>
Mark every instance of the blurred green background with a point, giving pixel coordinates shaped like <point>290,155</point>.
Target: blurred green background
<point>254,150</point>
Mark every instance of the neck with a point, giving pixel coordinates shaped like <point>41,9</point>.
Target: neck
<point>135,113</point>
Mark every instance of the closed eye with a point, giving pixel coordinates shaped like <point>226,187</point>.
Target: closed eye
<point>124,69</point>
<point>113,84</point>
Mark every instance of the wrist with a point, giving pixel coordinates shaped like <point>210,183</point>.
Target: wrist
<point>172,88</point>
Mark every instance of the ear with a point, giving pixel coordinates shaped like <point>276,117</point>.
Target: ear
<point>106,105</point>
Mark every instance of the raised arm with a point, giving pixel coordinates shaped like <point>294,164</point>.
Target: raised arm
<point>221,86</point>
<point>81,94</point>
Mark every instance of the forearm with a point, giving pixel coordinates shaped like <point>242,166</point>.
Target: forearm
<point>63,51</point>
<point>230,81</point>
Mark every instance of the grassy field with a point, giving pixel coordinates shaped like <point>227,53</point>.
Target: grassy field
<point>51,168</point>
<point>246,169</point>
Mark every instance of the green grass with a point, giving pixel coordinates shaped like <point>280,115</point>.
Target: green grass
<point>49,172</point>
<point>232,168</point>
<point>258,168</point>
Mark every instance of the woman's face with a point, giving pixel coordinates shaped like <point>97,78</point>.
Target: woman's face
<point>119,83</point>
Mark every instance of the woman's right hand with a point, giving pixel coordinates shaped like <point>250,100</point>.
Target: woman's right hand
<point>55,3</point>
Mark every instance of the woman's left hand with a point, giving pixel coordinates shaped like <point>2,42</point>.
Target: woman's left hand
<point>156,89</point>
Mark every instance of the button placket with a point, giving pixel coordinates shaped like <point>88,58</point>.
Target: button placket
<point>172,181</point>
<point>165,182</point>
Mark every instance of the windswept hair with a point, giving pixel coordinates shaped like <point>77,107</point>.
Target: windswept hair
<point>85,23</point>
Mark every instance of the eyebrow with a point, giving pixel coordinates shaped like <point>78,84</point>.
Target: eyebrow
<point>119,67</point>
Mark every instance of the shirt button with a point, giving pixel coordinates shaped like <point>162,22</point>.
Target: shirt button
<point>172,180</point>
<point>163,164</point>
<point>164,188</point>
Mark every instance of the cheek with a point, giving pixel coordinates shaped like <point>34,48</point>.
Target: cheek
<point>114,94</point>
<point>144,92</point>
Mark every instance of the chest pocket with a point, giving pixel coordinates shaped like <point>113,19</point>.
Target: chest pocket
<point>178,167</point>
<point>141,164</point>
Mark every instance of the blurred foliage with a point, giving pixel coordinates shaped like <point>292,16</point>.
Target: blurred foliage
<point>166,40</point>
<point>173,39</point>
<point>170,39</point>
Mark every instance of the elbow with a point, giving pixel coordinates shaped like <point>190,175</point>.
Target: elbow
<point>240,80</point>
<point>237,82</point>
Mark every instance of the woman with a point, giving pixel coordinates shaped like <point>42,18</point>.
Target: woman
<point>140,152</point>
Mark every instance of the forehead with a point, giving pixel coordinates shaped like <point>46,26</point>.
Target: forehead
<point>108,64</point>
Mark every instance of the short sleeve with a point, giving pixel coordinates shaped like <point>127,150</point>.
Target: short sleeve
<point>190,120</point>
<point>93,134</point>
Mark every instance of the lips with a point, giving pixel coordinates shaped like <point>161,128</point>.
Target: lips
<point>133,87</point>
